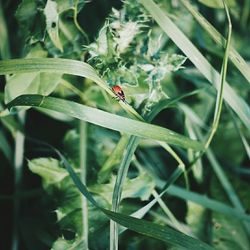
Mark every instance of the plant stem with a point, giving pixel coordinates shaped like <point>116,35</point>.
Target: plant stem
<point>117,194</point>
<point>178,159</point>
<point>225,183</point>
<point>219,99</point>
<point>78,25</point>
<point>18,167</point>
<point>83,167</point>
<point>168,212</point>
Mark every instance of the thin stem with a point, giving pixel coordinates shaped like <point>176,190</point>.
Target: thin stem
<point>117,193</point>
<point>219,99</point>
<point>167,211</point>
<point>83,167</point>
<point>191,154</point>
<point>78,25</point>
<point>178,159</point>
<point>75,90</point>
<point>228,188</point>
<point>18,166</point>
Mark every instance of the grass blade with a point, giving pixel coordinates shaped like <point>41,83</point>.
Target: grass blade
<point>144,227</point>
<point>129,145</point>
<point>18,179</point>
<point>234,56</point>
<point>62,66</point>
<point>234,101</point>
<point>207,202</point>
<point>219,98</point>
<point>117,193</point>
<point>52,65</point>
<point>83,166</point>
<point>106,119</point>
<point>113,159</point>
<point>5,147</point>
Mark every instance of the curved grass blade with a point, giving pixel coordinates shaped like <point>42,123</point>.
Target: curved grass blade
<point>234,101</point>
<point>106,119</point>
<point>234,56</point>
<point>228,188</point>
<point>217,3</point>
<point>219,98</point>
<point>53,65</point>
<point>207,202</point>
<point>129,149</point>
<point>144,227</point>
<point>117,193</point>
<point>113,159</point>
<point>5,147</point>
<point>62,66</point>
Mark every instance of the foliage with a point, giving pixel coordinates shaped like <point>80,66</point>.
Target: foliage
<point>112,163</point>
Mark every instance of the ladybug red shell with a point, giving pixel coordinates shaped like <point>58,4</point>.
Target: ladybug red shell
<point>119,92</point>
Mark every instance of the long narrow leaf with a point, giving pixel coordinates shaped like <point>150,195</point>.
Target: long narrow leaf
<point>234,56</point>
<point>119,183</point>
<point>144,227</point>
<point>5,147</point>
<point>207,202</point>
<point>125,162</point>
<point>106,119</point>
<point>235,102</point>
<point>58,65</point>
<point>53,65</point>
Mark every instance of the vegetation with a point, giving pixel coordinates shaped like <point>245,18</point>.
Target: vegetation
<point>166,168</point>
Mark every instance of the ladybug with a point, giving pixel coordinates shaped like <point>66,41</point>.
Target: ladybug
<point>119,92</point>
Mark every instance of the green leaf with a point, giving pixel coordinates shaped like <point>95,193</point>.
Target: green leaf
<point>31,83</point>
<point>52,23</point>
<point>113,159</point>
<point>106,119</point>
<point>49,169</point>
<point>227,234</point>
<point>26,11</point>
<point>69,5</point>
<point>68,202</point>
<point>207,202</point>
<point>62,243</point>
<point>218,3</point>
<point>5,146</point>
<point>226,133</point>
<point>234,56</point>
<point>31,20</point>
<point>234,101</point>
<point>138,187</point>
<point>63,66</point>
<point>19,84</point>
<point>144,227</point>
<point>12,125</point>
<point>52,65</point>
<point>196,219</point>
<point>225,183</point>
